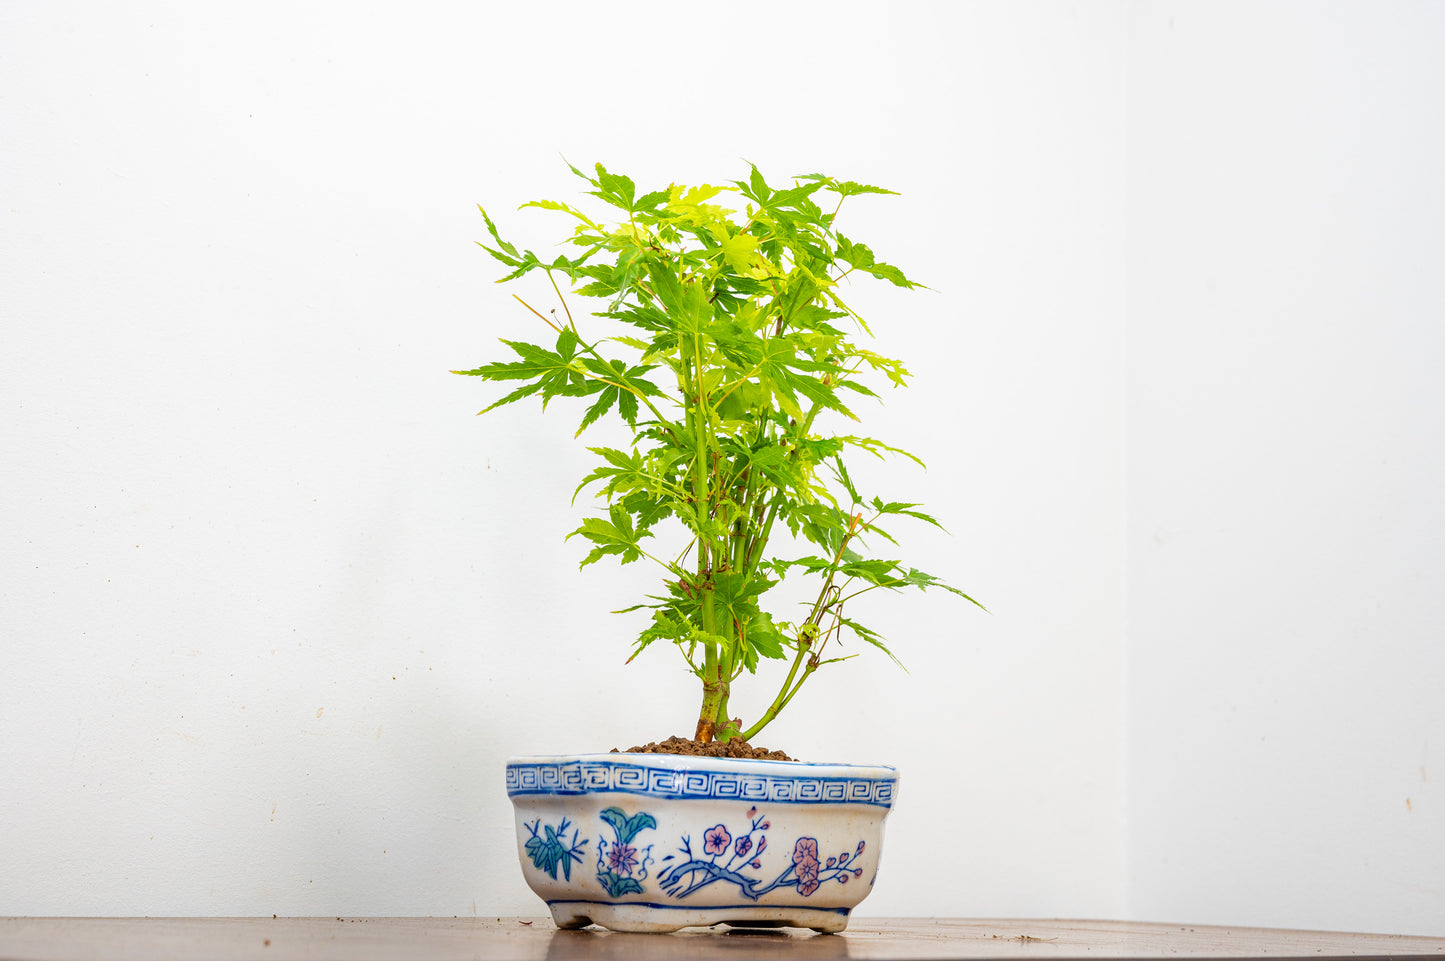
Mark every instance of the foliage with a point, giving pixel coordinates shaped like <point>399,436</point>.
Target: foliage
<point>736,351</point>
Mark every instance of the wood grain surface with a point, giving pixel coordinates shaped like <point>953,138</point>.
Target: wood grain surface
<point>307,939</point>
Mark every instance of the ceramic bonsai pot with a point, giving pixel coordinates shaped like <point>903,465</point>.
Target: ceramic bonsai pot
<point>658,842</point>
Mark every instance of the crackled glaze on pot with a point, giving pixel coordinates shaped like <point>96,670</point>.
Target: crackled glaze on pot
<point>657,842</point>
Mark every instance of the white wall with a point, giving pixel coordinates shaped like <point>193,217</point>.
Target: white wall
<point>1286,464</point>
<point>274,606</point>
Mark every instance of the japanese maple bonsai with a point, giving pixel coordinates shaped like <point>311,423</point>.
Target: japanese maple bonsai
<point>721,337</point>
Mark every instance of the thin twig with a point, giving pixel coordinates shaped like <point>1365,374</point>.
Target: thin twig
<point>534,310</point>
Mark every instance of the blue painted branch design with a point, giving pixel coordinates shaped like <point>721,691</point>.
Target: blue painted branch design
<point>621,864</point>
<point>725,858</point>
<point>550,852</point>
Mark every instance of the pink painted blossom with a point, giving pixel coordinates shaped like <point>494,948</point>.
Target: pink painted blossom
<point>805,865</point>
<point>716,840</point>
<point>622,859</point>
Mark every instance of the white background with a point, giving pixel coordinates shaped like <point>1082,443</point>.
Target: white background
<point>275,606</point>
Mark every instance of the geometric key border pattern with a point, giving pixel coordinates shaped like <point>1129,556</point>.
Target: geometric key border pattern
<point>597,777</point>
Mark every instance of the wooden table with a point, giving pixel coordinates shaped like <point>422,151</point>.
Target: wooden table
<point>304,939</point>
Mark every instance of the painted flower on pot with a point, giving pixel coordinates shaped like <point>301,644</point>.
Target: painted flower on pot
<point>621,859</point>
<point>716,840</point>
<point>617,860</point>
<point>723,859</point>
<point>805,865</point>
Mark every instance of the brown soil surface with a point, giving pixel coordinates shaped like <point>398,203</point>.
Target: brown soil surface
<point>686,745</point>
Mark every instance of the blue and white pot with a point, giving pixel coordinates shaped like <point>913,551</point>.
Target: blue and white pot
<point>657,842</point>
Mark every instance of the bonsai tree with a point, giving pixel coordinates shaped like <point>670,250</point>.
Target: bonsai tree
<point>722,340</point>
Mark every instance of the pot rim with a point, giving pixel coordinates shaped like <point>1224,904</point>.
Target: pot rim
<point>682,777</point>
<point>680,762</point>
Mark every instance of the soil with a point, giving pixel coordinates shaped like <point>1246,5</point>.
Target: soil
<point>686,745</point>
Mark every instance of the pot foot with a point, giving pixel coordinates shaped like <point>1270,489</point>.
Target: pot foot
<point>569,921</point>
<point>661,919</point>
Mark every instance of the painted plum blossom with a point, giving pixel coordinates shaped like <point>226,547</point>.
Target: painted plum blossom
<point>716,840</point>
<point>805,865</point>
<point>724,858</point>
